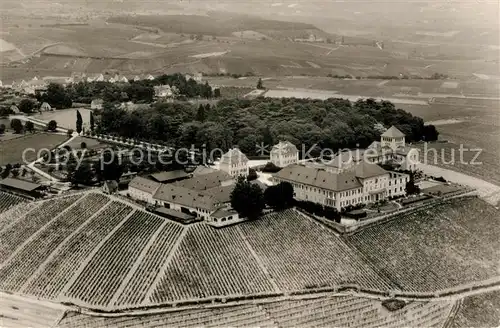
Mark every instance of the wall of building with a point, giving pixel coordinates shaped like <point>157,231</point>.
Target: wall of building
<point>140,195</point>
<point>235,169</point>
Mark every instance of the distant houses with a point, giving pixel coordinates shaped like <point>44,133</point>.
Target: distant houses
<point>96,104</point>
<point>163,91</point>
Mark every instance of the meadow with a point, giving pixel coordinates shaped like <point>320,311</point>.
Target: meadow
<point>12,150</point>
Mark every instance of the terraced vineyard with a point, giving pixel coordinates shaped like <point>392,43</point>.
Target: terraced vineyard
<point>8,200</point>
<point>300,254</point>
<point>211,262</point>
<point>26,261</point>
<point>150,266</point>
<point>343,311</point>
<point>102,276</point>
<point>18,232</point>
<point>13,213</point>
<point>58,271</point>
<point>451,244</point>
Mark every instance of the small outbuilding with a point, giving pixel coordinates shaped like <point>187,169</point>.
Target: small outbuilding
<point>45,107</point>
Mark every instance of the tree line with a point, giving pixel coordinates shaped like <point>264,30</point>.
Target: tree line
<point>142,91</point>
<point>332,123</point>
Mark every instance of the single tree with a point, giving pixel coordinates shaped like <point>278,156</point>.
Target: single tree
<point>247,199</point>
<point>70,132</point>
<point>411,187</point>
<point>16,125</point>
<point>260,85</point>
<point>280,196</point>
<point>79,122</point>
<point>252,175</point>
<point>92,123</point>
<point>80,175</point>
<point>29,126</point>
<point>200,115</point>
<point>15,173</point>
<point>52,126</point>
<point>83,145</point>
<point>26,105</point>
<point>217,93</point>
<point>2,128</point>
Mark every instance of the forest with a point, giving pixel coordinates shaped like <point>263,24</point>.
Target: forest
<point>332,123</point>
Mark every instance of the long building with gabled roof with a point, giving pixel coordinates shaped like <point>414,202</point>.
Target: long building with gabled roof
<point>361,184</point>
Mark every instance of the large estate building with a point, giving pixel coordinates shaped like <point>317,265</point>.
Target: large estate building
<point>235,163</point>
<point>284,153</point>
<point>361,184</point>
<point>354,177</point>
<point>205,195</point>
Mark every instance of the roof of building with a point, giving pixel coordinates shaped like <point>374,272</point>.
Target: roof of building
<point>174,213</point>
<point>45,105</point>
<point>319,177</point>
<point>367,170</point>
<point>223,212</point>
<point>186,197</point>
<point>284,147</point>
<point>221,193</point>
<point>201,170</point>
<point>205,181</point>
<point>404,150</point>
<point>19,184</point>
<point>234,155</point>
<point>346,158</point>
<point>167,176</point>
<point>144,184</point>
<point>393,132</point>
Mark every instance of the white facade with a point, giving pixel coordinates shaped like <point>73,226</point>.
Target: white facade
<point>235,163</point>
<point>284,154</point>
<point>140,194</point>
<point>363,184</point>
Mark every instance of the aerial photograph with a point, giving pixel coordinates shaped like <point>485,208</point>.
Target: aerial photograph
<point>249,163</point>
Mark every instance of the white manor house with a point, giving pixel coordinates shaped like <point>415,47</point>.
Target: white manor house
<point>354,177</point>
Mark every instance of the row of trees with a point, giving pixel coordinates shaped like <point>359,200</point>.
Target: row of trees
<point>333,123</point>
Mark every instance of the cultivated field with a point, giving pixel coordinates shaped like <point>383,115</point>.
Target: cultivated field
<point>478,311</point>
<point>93,251</point>
<point>340,311</point>
<point>12,150</point>
<point>283,242</point>
<point>448,245</point>
<point>7,201</point>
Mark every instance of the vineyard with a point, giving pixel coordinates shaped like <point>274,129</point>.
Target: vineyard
<point>57,273</point>
<point>208,263</point>
<point>150,266</point>
<point>26,261</point>
<point>102,276</point>
<point>300,254</point>
<point>343,311</point>
<point>21,230</point>
<point>98,252</point>
<point>7,201</point>
<point>433,249</point>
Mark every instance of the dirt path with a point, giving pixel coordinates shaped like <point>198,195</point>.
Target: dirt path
<point>486,190</point>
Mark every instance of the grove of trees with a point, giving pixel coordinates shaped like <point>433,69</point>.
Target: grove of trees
<point>332,123</point>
